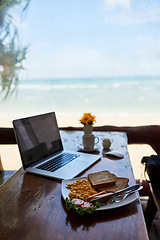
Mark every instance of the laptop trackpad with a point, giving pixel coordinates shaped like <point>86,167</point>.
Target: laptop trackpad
<point>73,169</point>
<point>79,164</point>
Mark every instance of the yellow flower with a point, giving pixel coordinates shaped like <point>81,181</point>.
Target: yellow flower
<point>87,118</point>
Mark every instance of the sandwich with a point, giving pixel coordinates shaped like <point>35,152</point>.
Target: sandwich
<point>120,183</point>
<point>102,179</point>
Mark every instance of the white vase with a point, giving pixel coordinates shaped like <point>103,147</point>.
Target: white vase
<point>88,128</point>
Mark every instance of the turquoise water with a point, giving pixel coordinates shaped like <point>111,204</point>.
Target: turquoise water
<point>123,95</point>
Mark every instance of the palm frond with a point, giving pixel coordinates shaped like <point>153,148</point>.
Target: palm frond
<point>11,54</point>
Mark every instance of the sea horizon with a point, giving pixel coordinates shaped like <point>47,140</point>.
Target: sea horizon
<point>103,96</point>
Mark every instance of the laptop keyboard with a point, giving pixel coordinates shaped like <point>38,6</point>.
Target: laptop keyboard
<point>58,162</point>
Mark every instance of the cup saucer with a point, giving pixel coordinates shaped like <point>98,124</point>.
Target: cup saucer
<point>82,149</point>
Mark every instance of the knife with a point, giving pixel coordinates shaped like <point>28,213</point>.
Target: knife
<point>109,196</point>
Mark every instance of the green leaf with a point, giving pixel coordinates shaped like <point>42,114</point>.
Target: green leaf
<point>81,211</point>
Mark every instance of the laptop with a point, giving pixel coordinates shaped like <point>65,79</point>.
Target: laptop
<point>41,148</point>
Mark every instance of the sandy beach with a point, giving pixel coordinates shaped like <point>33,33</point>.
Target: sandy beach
<point>11,158</point>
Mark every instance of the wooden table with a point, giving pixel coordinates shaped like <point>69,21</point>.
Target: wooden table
<point>32,208</point>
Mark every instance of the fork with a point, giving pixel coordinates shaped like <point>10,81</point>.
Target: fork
<point>120,197</point>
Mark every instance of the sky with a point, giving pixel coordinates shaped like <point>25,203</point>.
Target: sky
<point>91,38</point>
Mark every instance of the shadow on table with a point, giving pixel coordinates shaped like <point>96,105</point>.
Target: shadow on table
<point>87,221</point>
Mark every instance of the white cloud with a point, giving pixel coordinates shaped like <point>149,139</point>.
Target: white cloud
<point>81,61</point>
<point>115,3</point>
<point>129,13</point>
<point>133,17</point>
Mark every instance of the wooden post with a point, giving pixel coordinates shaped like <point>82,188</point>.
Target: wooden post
<point>1,166</point>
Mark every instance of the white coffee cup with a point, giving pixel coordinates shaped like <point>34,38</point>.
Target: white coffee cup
<point>89,141</point>
<point>107,143</point>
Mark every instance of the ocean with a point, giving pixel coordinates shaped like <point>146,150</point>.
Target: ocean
<point>114,101</point>
<point>120,96</point>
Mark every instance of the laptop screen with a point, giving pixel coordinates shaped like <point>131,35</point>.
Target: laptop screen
<point>37,137</point>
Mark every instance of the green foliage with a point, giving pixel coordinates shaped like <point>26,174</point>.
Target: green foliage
<point>11,54</point>
<point>81,211</point>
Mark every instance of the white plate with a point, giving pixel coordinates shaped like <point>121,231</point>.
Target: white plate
<point>65,193</point>
<point>82,149</point>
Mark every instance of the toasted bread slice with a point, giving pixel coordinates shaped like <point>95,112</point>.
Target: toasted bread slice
<point>121,183</point>
<point>102,179</point>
